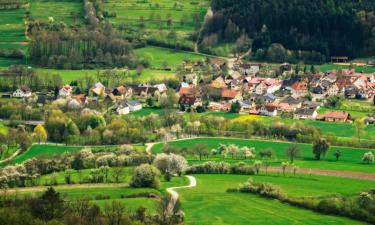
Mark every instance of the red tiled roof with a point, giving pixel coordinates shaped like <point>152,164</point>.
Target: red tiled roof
<point>228,93</point>
<point>336,115</point>
<point>343,82</point>
<point>299,86</point>
<point>185,90</point>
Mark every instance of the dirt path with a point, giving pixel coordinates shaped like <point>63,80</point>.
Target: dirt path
<point>11,157</point>
<point>63,187</point>
<point>332,173</point>
<point>174,195</point>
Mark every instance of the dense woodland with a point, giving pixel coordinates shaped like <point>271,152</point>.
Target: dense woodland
<point>331,27</point>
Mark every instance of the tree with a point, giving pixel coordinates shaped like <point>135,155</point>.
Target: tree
<point>284,166</point>
<point>115,213</point>
<point>235,107</point>
<point>116,173</point>
<point>292,152</point>
<point>257,165</point>
<point>170,163</point>
<point>201,149</point>
<point>320,147</point>
<point>247,153</point>
<point>40,133</point>
<point>337,155</point>
<point>266,153</point>
<point>145,176</point>
<point>49,206</point>
<point>368,157</point>
<point>232,150</point>
<point>359,125</point>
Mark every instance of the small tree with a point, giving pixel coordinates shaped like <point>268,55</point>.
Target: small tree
<point>201,149</point>
<point>359,125</point>
<point>40,133</point>
<point>116,173</point>
<point>235,107</point>
<point>320,147</point>
<point>145,176</point>
<point>266,153</point>
<point>284,166</point>
<point>337,155</point>
<point>368,157</point>
<point>292,152</point>
<point>257,165</point>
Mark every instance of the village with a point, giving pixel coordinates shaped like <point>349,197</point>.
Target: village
<point>233,87</point>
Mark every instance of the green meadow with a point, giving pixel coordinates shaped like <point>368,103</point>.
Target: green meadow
<point>155,13</point>
<point>66,11</point>
<point>209,203</point>
<point>351,159</point>
<point>358,69</point>
<point>172,58</point>
<point>12,26</point>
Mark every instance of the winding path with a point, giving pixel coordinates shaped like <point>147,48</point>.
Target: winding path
<point>174,195</point>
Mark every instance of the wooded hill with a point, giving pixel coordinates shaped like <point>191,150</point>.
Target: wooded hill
<point>331,27</point>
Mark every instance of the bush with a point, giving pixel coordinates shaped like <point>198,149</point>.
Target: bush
<point>145,176</point>
<point>263,189</point>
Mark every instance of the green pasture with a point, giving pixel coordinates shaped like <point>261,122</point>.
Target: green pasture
<point>66,11</point>
<point>6,62</point>
<point>173,58</point>
<point>209,203</point>
<point>130,12</point>
<point>351,159</point>
<point>44,151</point>
<point>346,130</point>
<point>358,69</point>
<point>12,27</point>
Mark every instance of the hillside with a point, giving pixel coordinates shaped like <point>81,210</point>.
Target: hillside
<point>330,27</point>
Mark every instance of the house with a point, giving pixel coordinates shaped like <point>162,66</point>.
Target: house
<point>186,101</point>
<point>299,89</point>
<point>229,94</point>
<point>292,102</point>
<point>268,85</point>
<point>215,106</point>
<point>219,82</point>
<point>342,83</point>
<point>217,63</point>
<point>268,110</point>
<point>22,92</point>
<point>65,91</point>
<point>333,90</point>
<point>370,120</point>
<point>134,105</point>
<point>78,102</point>
<point>122,108</point>
<point>335,116</point>
<point>246,106</point>
<point>305,114</point>
<point>43,99</point>
<point>161,87</point>
<point>121,91</point>
<point>98,89</point>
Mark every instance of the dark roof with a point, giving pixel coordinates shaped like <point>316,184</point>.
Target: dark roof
<point>25,89</point>
<point>187,100</point>
<point>305,111</point>
<point>290,100</point>
<point>291,81</point>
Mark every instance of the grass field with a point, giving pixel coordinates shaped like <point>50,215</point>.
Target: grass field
<point>104,195</point>
<point>346,130</point>
<point>171,57</point>
<point>63,11</point>
<point>209,203</point>
<point>12,27</point>
<point>131,11</point>
<point>358,69</point>
<point>351,159</point>
<point>42,151</point>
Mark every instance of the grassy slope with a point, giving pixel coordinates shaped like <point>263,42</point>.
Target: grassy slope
<point>358,69</point>
<point>44,151</point>
<point>62,10</point>
<point>208,203</point>
<point>350,160</point>
<point>130,12</point>
<point>172,57</point>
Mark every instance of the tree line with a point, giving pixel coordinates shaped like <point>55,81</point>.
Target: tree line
<point>330,27</point>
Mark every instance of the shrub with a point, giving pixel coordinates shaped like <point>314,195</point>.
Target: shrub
<point>145,176</point>
<point>263,189</point>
